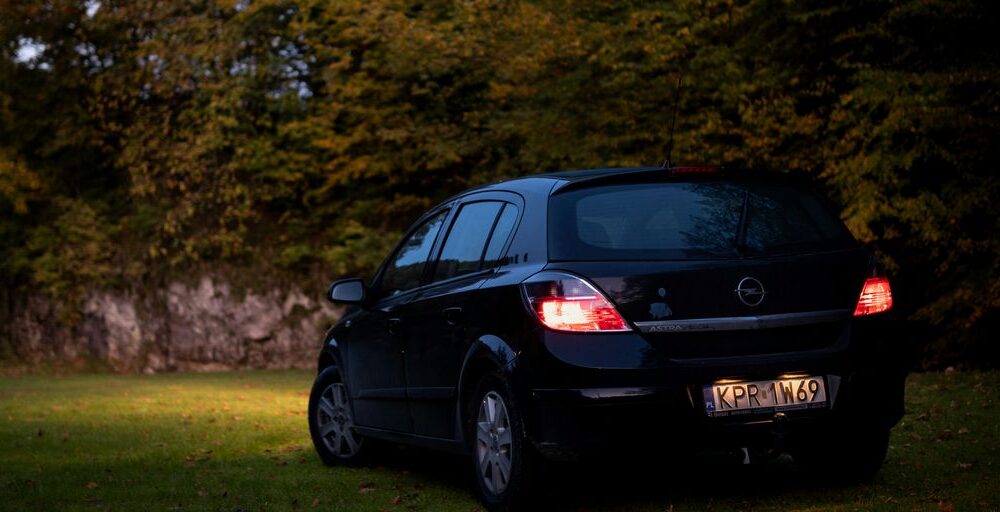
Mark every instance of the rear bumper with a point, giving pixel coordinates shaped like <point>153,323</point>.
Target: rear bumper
<point>663,408</point>
<point>570,423</point>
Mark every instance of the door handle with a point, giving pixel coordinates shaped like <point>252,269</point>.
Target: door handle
<point>394,325</point>
<point>452,315</point>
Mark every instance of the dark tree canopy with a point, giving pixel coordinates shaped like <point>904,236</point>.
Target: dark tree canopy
<point>297,138</point>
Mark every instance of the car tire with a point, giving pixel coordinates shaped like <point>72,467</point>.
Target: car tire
<point>503,460</point>
<point>331,422</point>
<point>855,455</point>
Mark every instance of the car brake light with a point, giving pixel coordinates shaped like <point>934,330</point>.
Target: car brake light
<point>567,303</point>
<point>695,169</point>
<point>876,297</point>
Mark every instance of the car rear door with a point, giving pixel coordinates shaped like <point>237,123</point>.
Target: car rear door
<point>447,314</point>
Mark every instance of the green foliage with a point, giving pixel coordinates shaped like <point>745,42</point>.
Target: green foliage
<point>303,136</point>
<point>355,249</point>
<point>73,246</point>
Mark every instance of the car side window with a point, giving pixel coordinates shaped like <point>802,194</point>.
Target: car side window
<point>463,249</point>
<point>407,266</point>
<point>505,224</point>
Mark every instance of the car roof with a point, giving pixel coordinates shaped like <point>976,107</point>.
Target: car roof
<point>583,174</point>
<point>538,182</point>
<point>553,182</point>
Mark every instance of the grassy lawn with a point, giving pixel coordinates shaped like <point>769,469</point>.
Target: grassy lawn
<point>239,441</point>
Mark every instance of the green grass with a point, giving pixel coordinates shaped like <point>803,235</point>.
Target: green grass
<point>239,441</point>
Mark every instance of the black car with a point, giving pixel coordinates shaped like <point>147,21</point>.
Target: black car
<point>565,315</point>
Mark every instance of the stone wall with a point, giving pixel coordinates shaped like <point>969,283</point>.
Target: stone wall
<point>205,326</point>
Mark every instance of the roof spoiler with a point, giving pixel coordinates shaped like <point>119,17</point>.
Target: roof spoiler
<point>683,172</point>
<point>645,174</point>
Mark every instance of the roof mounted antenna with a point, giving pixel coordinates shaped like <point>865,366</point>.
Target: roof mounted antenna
<point>673,121</point>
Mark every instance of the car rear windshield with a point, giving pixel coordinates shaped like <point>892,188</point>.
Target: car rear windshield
<point>691,220</point>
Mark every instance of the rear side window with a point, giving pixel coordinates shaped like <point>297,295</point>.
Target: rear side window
<point>463,249</point>
<point>407,266</point>
<point>649,221</point>
<point>504,226</point>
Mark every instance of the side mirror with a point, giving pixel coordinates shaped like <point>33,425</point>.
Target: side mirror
<point>347,291</point>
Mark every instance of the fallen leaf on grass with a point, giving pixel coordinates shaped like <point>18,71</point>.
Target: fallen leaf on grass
<point>202,493</point>
<point>366,488</point>
<point>197,456</point>
<point>944,435</point>
<point>316,502</point>
<point>397,500</point>
<point>91,485</point>
<point>965,465</point>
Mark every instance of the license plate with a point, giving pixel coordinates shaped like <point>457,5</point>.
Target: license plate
<point>730,398</point>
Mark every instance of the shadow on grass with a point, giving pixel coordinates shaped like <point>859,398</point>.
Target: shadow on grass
<point>634,482</point>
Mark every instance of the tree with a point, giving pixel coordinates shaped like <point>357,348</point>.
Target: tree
<point>299,137</point>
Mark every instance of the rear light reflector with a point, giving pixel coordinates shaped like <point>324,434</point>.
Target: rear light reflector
<point>876,297</point>
<point>564,302</point>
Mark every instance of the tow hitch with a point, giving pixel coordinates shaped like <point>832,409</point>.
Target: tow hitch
<point>778,428</point>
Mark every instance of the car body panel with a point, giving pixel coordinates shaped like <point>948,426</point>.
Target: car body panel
<point>444,320</point>
<point>375,372</point>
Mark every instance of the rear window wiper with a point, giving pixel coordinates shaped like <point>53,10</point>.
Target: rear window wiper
<point>741,228</point>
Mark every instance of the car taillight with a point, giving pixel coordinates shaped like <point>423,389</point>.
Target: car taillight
<point>876,297</point>
<point>567,303</point>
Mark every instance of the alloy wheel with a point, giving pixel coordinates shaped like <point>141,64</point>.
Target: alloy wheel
<point>494,451</point>
<point>336,426</point>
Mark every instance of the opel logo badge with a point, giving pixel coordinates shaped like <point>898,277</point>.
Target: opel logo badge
<point>750,291</point>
